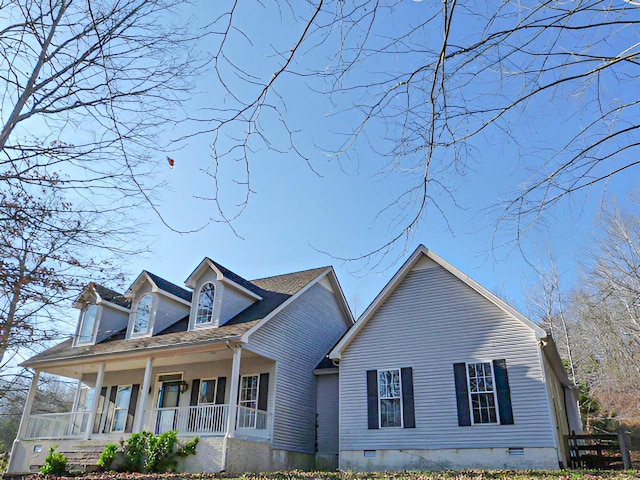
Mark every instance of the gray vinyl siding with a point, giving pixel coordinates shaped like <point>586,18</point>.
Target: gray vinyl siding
<point>327,409</point>
<point>111,322</point>
<point>431,321</point>
<point>233,302</point>
<point>168,311</point>
<point>298,337</point>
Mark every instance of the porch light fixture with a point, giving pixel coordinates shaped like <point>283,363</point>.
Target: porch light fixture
<point>184,386</point>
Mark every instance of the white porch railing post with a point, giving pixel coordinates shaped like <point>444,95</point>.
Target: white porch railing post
<point>96,400</point>
<point>142,398</point>
<point>24,421</point>
<point>233,393</point>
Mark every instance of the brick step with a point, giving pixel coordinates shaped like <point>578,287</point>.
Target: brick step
<point>83,458</point>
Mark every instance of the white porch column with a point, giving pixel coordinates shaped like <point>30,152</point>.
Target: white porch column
<point>28,405</point>
<point>142,397</point>
<point>96,400</point>
<point>233,393</point>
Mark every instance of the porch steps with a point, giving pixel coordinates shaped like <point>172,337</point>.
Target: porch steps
<point>83,457</point>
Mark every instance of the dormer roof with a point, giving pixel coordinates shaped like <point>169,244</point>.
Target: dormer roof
<point>225,275</point>
<point>160,284</point>
<point>104,294</point>
<point>278,292</point>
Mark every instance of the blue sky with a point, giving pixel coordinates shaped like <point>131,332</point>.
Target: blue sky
<point>301,218</point>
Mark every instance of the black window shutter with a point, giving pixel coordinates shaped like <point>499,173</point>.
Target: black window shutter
<point>503,391</point>
<point>372,399</point>
<point>462,394</point>
<point>263,391</point>
<point>408,411</point>
<point>133,402</point>
<point>101,409</point>
<point>220,388</point>
<point>195,392</point>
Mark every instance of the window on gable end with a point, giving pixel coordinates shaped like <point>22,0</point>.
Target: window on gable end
<point>87,323</point>
<point>204,314</point>
<point>483,395</point>
<point>143,315</point>
<point>390,398</point>
<point>482,392</point>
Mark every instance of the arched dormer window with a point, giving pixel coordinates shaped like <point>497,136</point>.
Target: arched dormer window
<point>205,304</point>
<point>89,315</point>
<point>143,315</point>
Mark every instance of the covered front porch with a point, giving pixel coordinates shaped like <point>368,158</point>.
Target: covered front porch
<point>222,391</point>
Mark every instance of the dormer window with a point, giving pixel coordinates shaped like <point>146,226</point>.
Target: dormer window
<point>88,323</point>
<point>205,304</point>
<point>143,315</point>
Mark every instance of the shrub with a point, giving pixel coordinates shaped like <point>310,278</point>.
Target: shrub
<point>145,452</point>
<point>55,463</point>
<point>108,456</point>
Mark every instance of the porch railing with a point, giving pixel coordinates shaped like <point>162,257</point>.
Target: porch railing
<point>57,425</point>
<point>251,418</point>
<point>201,419</point>
<point>211,419</point>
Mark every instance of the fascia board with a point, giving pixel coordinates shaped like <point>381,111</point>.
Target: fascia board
<point>143,276</point>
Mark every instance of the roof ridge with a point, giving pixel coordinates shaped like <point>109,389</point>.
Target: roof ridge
<point>164,279</point>
<point>290,273</point>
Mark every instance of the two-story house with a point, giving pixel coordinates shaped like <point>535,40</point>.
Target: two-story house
<point>225,359</point>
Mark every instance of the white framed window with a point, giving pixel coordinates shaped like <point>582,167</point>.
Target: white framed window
<point>390,398</point>
<point>142,315</point>
<point>204,313</point>
<point>482,393</point>
<point>85,399</point>
<point>207,394</point>
<point>87,323</point>
<point>121,410</point>
<point>249,386</point>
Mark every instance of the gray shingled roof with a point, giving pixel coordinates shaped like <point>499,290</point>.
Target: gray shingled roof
<point>273,290</point>
<point>107,294</point>
<point>167,286</point>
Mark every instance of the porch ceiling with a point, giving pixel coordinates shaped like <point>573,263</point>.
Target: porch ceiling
<point>177,358</point>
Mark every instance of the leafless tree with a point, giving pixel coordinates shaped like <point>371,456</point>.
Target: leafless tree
<point>53,395</point>
<point>417,88</point>
<point>49,250</point>
<point>85,88</point>
<point>547,302</point>
<point>606,306</point>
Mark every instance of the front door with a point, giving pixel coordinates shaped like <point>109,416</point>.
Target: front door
<point>168,400</point>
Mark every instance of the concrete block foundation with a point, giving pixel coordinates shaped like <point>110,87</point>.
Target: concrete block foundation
<point>449,459</point>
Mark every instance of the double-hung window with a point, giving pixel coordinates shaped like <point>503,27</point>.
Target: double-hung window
<point>390,398</point>
<point>482,392</point>
<point>207,395</point>
<point>248,401</point>
<point>121,410</point>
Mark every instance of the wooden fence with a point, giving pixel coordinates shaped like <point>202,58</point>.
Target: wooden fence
<point>601,451</point>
